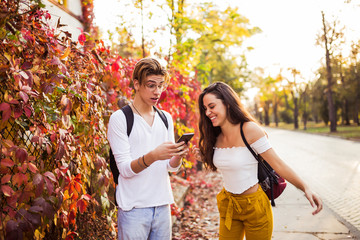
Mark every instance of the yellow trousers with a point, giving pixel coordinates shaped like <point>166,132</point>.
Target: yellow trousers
<point>249,215</point>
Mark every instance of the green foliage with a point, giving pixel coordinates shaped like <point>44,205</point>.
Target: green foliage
<point>211,42</point>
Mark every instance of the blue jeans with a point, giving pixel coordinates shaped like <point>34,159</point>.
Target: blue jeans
<point>153,223</point>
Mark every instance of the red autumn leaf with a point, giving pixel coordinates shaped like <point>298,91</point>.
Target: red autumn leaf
<point>17,111</point>
<point>61,151</point>
<point>13,200</point>
<point>82,204</point>
<point>115,67</point>
<point>53,137</point>
<point>6,162</point>
<point>87,197</point>
<point>4,106</point>
<point>48,149</point>
<point>38,178</point>
<point>26,65</point>
<point>24,96</point>
<point>51,176</point>
<point>34,218</point>
<point>25,196</point>
<point>71,235</point>
<point>28,111</point>
<point>75,195</point>
<point>5,179</point>
<point>14,101</point>
<point>19,178</point>
<point>40,188</point>
<point>21,154</point>
<point>11,226</point>
<point>23,168</point>
<point>66,105</point>
<point>72,216</point>
<point>48,210</point>
<point>7,191</point>
<point>6,111</point>
<point>77,187</point>
<point>82,38</point>
<point>35,139</point>
<point>35,209</point>
<point>33,168</point>
<point>55,61</point>
<point>49,186</point>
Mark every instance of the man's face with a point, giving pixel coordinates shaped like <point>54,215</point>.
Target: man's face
<point>151,89</point>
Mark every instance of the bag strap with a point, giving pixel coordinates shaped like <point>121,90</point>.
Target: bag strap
<point>246,143</point>
<point>257,158</point>
<point>129,115</point>
<point>162,116</point>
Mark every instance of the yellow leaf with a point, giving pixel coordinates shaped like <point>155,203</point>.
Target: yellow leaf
<point>66,53</point>
<point>66,195</point>
<point>38,235</point>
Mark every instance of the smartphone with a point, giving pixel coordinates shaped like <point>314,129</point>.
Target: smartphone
<point>185,137</point>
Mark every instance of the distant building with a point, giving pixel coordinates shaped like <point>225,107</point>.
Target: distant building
<point>70,14</point>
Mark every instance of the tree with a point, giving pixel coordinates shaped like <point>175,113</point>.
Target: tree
<point>354,54</point>
<point>328,38</point>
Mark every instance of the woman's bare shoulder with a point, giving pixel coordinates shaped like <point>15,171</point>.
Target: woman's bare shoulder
<point>253,132</point>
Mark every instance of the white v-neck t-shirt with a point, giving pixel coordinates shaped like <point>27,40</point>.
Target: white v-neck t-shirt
<point>150,187</point>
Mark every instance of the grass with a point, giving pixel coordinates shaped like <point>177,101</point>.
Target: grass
<point>351,132</point>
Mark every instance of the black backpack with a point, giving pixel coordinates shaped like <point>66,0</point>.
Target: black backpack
<point>129,115</point>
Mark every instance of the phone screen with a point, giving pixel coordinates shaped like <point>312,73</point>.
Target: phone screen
<point>185,137</point>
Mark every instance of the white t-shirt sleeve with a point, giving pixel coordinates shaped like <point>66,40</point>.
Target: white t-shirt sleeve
<point>261,145</point>
<point>171,139</point>
<point>119,143</point>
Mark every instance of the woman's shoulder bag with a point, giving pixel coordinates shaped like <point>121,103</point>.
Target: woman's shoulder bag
<point>272,184</point>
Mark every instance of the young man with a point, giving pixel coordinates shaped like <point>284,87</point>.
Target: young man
<point>144,158</point>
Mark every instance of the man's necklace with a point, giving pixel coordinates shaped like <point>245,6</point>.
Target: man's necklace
<point>138,111</point>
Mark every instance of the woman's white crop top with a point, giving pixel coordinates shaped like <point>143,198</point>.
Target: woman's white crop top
<point>238,166</point>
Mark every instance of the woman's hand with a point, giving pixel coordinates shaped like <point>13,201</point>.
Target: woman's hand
<point>196,151</point>
<point>314,200</point>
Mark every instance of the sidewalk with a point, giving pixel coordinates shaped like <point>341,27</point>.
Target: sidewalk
<point>292,215</point>
<point>293,220</point>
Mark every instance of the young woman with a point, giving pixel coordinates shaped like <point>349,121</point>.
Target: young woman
<point>243,206</point>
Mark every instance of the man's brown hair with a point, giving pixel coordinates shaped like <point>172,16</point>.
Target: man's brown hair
<point>146,67</point>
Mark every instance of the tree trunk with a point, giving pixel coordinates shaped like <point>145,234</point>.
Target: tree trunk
<point>329,93</point>
<point>345,108</point>
<point>276,118</point>
<point>266,114</point>
<point>357,100</point>
<point>305,114</point>
<point>296,114</point>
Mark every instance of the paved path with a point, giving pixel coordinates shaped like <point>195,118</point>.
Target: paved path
<point>330,165</point>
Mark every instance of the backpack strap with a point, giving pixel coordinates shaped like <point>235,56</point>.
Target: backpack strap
<point>129,115</point>
<point>162,116</point>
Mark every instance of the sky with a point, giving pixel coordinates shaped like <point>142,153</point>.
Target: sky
<point>289,29</point>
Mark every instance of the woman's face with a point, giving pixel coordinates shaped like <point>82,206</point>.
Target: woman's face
<point>215,110</point>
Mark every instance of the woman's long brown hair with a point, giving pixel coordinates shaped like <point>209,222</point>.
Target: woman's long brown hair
<point>236,113</point>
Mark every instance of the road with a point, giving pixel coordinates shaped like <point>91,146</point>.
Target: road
<point>331,166</point>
